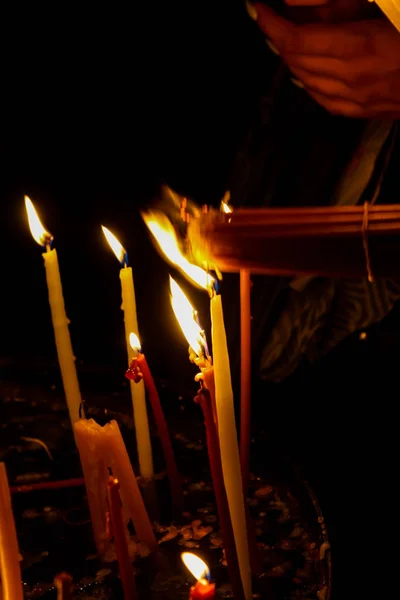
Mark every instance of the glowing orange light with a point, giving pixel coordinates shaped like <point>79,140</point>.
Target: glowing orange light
<point>226,208</point>
<point>163,231</point>
<point>184,313</point>
<point>39,233</point>
<point>196,566</point>
<point>115,245</point>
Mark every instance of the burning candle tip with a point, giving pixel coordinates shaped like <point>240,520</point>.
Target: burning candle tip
<point>39,233</point>
<point>197,567</point>
<point>119,251</point>
<point>134,342</point>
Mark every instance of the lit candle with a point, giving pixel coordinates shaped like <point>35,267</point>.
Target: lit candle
<point>225,410</point>
<point>137,390</point>
<point>190,327</point>
<point>10,570</point>
<point>118,530</point>
<point>66,358</point>
<point>228,440</point>
<point>139,369</point>
<point>203,589</point>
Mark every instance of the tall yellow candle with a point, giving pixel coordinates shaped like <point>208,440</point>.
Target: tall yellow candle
<point>228,440</point>
<point>10,570</point>
<point>65,354</point>
<point>138,393</point>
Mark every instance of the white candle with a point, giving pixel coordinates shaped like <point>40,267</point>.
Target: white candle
<point>137,389</point>
<point>66,358</point>
<point>228,440</point>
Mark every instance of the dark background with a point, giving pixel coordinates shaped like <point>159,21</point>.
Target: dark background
<point>99,107</point>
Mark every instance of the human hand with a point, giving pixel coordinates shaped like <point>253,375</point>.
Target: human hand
<point>351,69</point>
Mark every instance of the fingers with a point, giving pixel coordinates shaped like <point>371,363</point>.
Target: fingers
<point>349,108</point>
<point>324,85</point>
<point>339,106</point>
<point>318,40</point>
<point>350,72</point>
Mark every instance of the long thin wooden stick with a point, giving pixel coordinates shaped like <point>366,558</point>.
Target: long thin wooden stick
<point>324,241</point>
<point>47,485</point>
<point>245,376</point>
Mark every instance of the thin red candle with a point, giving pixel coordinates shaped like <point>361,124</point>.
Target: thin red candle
<point>203,398</point>
<point>207,375</point>
<point>140,369</point>
<point>245,376</point>
<point>47,485</point>
<point>120,540</point>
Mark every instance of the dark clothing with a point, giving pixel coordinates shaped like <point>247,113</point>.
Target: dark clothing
<point>334,401</point>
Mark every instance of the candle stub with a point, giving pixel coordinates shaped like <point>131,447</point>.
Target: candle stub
<point>203,590</point>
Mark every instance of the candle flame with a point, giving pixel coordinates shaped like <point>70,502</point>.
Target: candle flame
<point>115,245</point>
<point>39,233</point>
<point>134,342</point>
<point>225,208</point>
<point>184,313</point>
<point>163,231</point>
<point>196,566</point>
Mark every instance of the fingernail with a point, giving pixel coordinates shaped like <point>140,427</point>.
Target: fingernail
<point>271,46</point>
<point>251,10</point>
<point>297,83</point>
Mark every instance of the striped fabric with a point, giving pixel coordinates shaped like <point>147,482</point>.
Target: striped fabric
<point>322,315</point>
